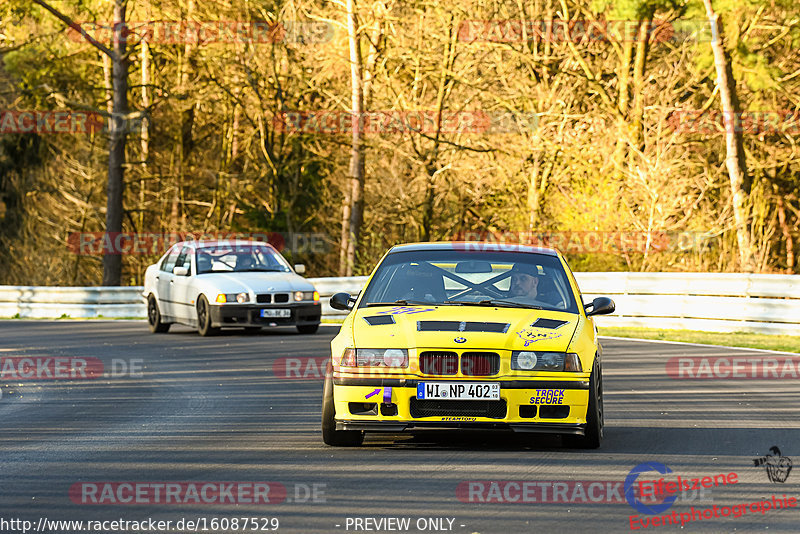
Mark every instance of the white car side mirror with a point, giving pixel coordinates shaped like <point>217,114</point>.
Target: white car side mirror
<point>180,271</point>
<point>299,268</point>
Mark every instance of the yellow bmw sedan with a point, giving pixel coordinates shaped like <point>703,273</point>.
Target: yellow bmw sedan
<point>467,335</point>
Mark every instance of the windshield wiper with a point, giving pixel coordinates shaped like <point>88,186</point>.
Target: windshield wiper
<point>404,303</point>
<point>506,304</point>
<point>260,270</point>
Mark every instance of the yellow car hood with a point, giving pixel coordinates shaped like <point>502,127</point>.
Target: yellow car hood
<point>460,327</point>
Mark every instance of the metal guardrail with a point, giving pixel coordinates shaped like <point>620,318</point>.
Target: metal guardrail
<point>715,302</point>
<point>720,302</point>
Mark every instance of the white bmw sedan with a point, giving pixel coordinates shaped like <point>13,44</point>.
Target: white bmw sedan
<point>214,284</point>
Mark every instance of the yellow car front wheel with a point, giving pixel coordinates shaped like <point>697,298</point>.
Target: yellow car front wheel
<point>593,434</point>
<point>331,436</point>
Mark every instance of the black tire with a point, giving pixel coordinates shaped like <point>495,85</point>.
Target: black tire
<point>331,436</point>
<point>593,435</point>
<point>154,317</point>
<point>204,327</point>
<point>307,328</point>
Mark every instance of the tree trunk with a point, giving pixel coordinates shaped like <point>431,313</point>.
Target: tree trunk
<point>112,263</point>
<point>624,77</point>
<point>735,157</point>
<point>432,164</point>
<point>355,200</point>
<point>145,130</point>
<point>639,63</point>
<point>787,235</point>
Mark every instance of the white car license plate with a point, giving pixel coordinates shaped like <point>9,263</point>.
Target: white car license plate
<point>280,312</point>
<point>458,390</point>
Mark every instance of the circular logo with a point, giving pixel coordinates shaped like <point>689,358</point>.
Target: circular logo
<point>460,340</point>
<point>630,484</point>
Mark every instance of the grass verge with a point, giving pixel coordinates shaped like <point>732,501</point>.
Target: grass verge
<point>735,339</point>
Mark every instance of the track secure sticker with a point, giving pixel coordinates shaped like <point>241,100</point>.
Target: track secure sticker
<point>548,396</point>
<point>531,335</point>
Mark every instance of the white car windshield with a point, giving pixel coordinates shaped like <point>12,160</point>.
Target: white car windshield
<point>464,278</point>
<point>240,258</point>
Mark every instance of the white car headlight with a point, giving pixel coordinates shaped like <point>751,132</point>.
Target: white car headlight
<point>241,298</point>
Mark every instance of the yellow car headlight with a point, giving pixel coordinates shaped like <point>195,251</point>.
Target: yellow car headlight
<point>397,358</point>
<point>523,360</point>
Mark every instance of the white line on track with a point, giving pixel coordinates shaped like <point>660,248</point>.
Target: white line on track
<point>698,344</point>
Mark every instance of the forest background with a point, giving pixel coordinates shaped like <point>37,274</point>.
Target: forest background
<point>600,127</point>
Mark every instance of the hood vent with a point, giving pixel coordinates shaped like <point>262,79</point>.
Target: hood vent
<point>548,323</point>
<point>462,326</point>
<point>375,320</point>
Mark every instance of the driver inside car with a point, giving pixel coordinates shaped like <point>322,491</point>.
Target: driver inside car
<point>539,287</point>
<point>523,284</point>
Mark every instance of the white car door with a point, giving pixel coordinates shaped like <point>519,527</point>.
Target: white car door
<point>164,283</point>
<point>181,291</point>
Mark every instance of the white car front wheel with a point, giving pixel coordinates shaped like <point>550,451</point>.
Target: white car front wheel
<point>204,327</point>
<point>157,326</point>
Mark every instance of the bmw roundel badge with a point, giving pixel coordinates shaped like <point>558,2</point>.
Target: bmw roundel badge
<point>460,340</point>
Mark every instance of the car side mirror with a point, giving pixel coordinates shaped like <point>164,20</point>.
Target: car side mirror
<point>342,301</point>
<point>180,271</point>
<point>299,268</point>
<point>600,306</point>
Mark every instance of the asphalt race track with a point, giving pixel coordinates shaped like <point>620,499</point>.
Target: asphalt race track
<point>220,409</point>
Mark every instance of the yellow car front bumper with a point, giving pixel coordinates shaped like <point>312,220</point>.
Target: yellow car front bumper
<point>391,405</point>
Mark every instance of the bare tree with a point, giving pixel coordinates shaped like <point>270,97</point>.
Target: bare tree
<point>353,209</point>
<point>112,263</point>
<point>735,157</point>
